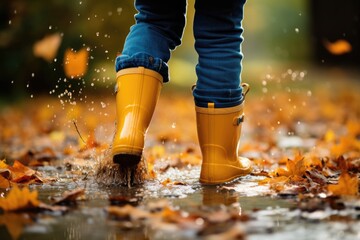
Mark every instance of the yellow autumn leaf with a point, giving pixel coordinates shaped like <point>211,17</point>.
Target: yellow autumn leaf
<point>338,47</point>
<point>19,199</point>
<point>47,47</point>
<point>347,185</point>
<point>75,63</point>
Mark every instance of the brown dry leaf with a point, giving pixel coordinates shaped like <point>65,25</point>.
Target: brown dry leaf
<point>338,47</point>
<point>47,47</point>
<point>18,173</point>
<point>76,63</point>
<point>347,185</point>
<point>71,197</point>
<point>19,199</point>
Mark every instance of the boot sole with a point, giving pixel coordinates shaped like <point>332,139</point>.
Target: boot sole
<point>126,160</point>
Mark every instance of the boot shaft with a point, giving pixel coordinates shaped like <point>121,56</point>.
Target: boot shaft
<point>219,132</point>
<point>137,92</point>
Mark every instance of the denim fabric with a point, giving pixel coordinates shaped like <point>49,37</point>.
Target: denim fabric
<point>158,30</point>
<point>218,36</point>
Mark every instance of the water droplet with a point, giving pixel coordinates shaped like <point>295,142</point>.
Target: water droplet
<point>309,93</point>
<point>97,34</point>
<point>32,74</point>
<point>9,22</point>
<point>50,27</point>
<point>173,125</point>
<point>103,105</point>
<point>31,95</point>
<point>297,30</point>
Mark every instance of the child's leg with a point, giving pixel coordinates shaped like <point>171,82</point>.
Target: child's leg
<point>158,30</point>
<point>141,70</point>
<point>218,94</point>
<point>217,31</point>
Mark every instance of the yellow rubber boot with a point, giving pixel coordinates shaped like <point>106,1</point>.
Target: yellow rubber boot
<point>138,90</point>
<point>219,132</point>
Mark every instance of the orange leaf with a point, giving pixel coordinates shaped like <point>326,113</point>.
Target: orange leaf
<point>338,47</point>
<point>47,47</point>
<point>347,185</point>
<point>4,183</point>
<point>76,63</point>
<point>19,199</point>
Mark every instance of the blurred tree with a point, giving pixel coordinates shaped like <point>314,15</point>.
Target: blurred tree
<point>100,26</point>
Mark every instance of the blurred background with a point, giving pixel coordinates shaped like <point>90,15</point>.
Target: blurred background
<point>67,48</point>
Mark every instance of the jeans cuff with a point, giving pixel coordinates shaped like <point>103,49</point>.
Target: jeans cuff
<point>143,60</point>
<point>221,98</point>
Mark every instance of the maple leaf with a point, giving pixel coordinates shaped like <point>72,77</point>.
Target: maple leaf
<point>47,47</point>
<point>294,167</point>
<point>347,185</point>
<point>75,63</point>
<point>19,199</point>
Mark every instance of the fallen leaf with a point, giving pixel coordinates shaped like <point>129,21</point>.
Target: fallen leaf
<point>70,197</point>
<point>76,63</point>
<point>19,199</point>
<point>339,47</point>
<point>347,185</point>
<point>47,47</point>
<point>18,173</point>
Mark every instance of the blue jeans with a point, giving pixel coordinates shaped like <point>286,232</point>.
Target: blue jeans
<point>218,37</point>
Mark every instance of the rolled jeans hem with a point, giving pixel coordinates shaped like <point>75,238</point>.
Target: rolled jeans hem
<point>143,60</point>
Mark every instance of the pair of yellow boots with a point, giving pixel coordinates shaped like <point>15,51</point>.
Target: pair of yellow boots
<point>219,129</point>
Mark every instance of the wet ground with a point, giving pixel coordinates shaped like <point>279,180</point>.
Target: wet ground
<point>286,115</point>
